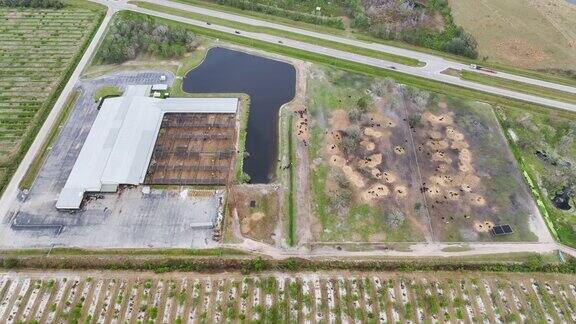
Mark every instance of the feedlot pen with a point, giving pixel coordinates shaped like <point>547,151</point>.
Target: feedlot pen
<point>193,149</point>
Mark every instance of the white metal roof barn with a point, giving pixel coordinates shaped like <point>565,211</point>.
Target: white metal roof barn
<point>121,140</point>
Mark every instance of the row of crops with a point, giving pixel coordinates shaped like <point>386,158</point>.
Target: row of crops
<point>279,298</point>
<point>37,50</point>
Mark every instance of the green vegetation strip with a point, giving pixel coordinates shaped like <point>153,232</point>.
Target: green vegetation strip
<point>242,177</point>
<point>271,31</point>
<point>291,184</point>
<point>518,86</point>
<point>209,263</point>
<point>39,159</point>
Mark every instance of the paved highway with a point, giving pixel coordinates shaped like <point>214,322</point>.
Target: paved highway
<point>434,64</point>
<point>432,70</point>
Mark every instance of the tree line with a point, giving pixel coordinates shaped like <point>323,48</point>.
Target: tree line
<point>40,4</point>
<point>131,35</point>
<point>413,22</point>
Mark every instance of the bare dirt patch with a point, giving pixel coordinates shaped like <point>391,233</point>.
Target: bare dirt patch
<point>468,174</point>
<point>365,171</point>
<point>257,207</point>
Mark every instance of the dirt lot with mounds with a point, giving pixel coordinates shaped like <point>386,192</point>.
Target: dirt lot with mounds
<point>469,176</point>
<point>257,208</point>
<point>391,163</point>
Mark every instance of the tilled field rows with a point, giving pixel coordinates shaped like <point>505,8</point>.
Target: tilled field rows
<point>295,298</point>
<point>36,49</point>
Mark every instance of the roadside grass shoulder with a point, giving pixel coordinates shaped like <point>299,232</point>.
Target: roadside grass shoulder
<point>518,86</point>
<point>34,168</point>
<point>263,16</point>
<point>275,32</point>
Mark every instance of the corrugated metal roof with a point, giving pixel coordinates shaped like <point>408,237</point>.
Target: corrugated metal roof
<point>120,143</point>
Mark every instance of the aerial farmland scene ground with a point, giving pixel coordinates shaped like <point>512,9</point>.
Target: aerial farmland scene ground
<point>274,161</point>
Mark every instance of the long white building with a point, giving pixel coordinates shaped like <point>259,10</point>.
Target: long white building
<point>122,138</point>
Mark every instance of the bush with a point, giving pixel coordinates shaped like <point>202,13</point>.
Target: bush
<point>10,263</point>
<point>131,35</point>
<point>463,45</point>
<point>280,12</point>
<point>41,4</point>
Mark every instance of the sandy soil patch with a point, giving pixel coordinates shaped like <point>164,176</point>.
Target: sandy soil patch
<point>339,120</point>
<point>376,191</point>
<point>439,120</point>
<point>367,145</point>
<point>373,160</point>
<point>257,207</point>
<point>354,177</point>
<point>483,227</point>
<point>370,131</point>
<point>399,150</point>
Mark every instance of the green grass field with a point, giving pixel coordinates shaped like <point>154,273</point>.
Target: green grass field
<point>107,91</point>
<point>550,170</point>
<point>38,51</point>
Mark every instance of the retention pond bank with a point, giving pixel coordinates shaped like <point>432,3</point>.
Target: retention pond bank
<point>269,83</point>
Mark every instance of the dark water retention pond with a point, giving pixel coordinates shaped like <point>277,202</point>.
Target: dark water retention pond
<point>268,82</point>
<point>562,199</point>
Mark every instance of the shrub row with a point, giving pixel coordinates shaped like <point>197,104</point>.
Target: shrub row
<point>534,263</point>
<point>280,12</point>
<point>40,4</point>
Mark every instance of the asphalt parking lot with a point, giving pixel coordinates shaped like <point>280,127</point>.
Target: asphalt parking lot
<point>175,217</point>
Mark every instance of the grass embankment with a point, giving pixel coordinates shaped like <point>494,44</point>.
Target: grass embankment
<point>561,79</point>
<point>271,31</point>
<point>39,159</point>
<point>518,86</point>
<point>240,176</point>
<point>291,183</point>
<point>107,91</point>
